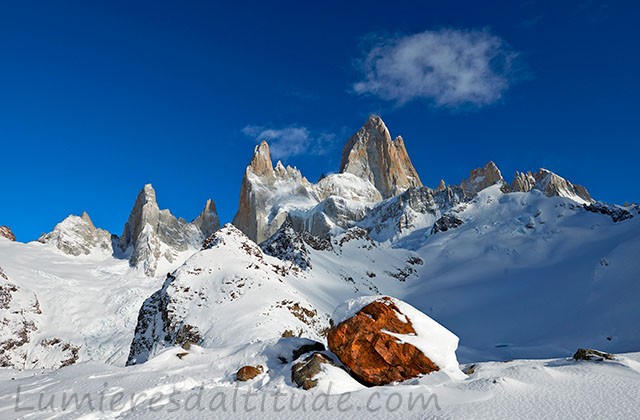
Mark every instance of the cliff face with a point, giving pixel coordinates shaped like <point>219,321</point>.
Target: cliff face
<point>371,154</point>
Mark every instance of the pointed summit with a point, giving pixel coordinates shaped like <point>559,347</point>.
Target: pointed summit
<point>372,155</point>
<point>145,211</point>
<point>208,221</point>
<point>152,235</point>
<point>481,178</point>
<point>259,185</point>
<point>261,163</point>
<point>78,236</point>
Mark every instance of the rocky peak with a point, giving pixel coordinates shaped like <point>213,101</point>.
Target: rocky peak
<point>371,154</point>
<point>145,212</point>
<point>551,184</point>
<point>208,221</point>
<point>6,232</point>
<point>258,193</point>
<point>152,235</point>
<point>261,161</point>
<point>78,236</point>
<point>481,178</point>
<point>523,182</point>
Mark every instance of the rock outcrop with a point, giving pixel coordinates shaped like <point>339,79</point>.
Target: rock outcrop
<point>288,245</point>
<point>380,344</point>
<point>372,155</point>
<point>6,232</point>
<point>78,236</point>
<point>481,178</point>
<point>551,185</point>
<point>151,234</point>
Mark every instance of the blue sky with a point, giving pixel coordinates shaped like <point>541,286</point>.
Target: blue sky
<point>98,98</point>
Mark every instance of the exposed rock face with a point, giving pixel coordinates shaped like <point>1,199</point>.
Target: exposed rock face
<point>413,208</point>
<point>371,154</point>
<point>481,178</point>
<point>551,184</point>
<point>208,221</point>
<point>246,373</point>
<point>446,222</point>
<point>288,245</point>
<point>303,373</point>
<point>152,234</point>
<point>6,232</point>
<point>78,236</point>
<point>20,320</point>
<point>592,355</point>
<point>523,182</point>
<point>256,215</point>
<point>373,356</point>
<point>617,213</point>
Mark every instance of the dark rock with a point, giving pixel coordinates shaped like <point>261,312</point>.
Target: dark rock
<point>445,223</point>
<point>617,214</point>
<point>307,348</point>
<point>302,373</point>
<point>593,355</point>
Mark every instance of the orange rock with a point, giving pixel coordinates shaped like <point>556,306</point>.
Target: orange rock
<point>247,373</point>
<point>372,356</point>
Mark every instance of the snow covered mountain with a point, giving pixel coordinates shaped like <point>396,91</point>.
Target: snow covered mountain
<point>531,269</point>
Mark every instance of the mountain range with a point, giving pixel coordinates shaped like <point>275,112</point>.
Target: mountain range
<point>532,268</point>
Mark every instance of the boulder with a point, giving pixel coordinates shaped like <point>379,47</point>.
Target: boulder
<point>307,348</point>
<point>304,372</point>
<point>246,373</point>
<point>382,340</point>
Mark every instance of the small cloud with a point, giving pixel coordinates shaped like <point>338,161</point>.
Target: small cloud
<point>291,141</point>
<point>448,67</point>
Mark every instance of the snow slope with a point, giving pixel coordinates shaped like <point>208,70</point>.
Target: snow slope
<point>199,386</point>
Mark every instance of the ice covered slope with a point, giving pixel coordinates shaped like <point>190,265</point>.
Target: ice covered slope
<point>527,275</point>
<point>65,309</point>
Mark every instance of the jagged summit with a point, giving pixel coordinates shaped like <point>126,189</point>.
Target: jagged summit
<point>551,184</point>
<point>152,235</point>
<point>481,178</point>
<point>76,235</point>
<point>371,154</point>
<point>208,221</point>
<point>260,183</point>
<point>261,163</point>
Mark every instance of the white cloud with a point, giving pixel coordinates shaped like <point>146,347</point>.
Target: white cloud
<point>448,67</point>
<point>291,141</point>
